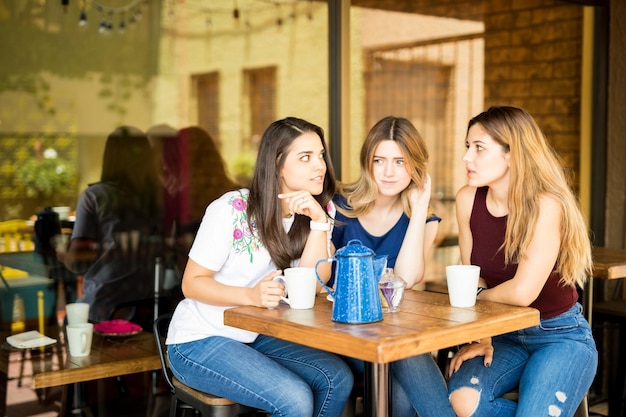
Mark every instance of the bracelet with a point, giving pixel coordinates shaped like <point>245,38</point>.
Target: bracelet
<point>319,226</point>
<point>480,289</point>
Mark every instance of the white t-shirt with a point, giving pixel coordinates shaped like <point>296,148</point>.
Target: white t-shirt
<point>224,243</point>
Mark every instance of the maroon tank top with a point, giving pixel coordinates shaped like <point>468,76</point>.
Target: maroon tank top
<point>488,235</point>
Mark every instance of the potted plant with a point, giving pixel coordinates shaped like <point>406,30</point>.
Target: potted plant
<point>46,175</point>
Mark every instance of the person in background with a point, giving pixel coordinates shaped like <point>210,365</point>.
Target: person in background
<point>193,174</point>
<point>388,210</point>
<point>117,236</point>
<point>246,238</point>
<point>520,222</point>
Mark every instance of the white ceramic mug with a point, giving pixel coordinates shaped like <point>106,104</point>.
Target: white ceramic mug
<point>300,286</point>
<point>77,313</point>
<point>79,338</point>
<point>462,284</point>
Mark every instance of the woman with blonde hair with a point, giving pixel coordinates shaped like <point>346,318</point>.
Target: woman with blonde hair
<point>388,210</point>
<point>520,222</point>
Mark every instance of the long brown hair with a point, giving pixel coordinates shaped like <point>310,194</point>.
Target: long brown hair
<point>264,209</point>
<point>127,163</point>
<point>536,171</point>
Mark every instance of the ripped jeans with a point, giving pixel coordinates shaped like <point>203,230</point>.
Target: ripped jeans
<point>553,365</point>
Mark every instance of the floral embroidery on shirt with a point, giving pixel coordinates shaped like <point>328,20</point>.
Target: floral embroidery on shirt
<point>244,239</point>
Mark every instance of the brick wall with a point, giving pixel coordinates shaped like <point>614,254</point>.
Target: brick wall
<point>533,53</point>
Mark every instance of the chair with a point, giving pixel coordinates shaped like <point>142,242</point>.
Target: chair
<point>184,397</point>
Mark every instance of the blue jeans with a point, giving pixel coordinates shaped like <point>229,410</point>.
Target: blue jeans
<point>417,385</point>
<point>553,365</point>
<point>282,378</point>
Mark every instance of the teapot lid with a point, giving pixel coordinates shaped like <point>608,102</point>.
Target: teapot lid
<point>354,247</point>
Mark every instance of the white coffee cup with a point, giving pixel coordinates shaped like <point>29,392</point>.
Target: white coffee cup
<point>79,338</point>
<point>300,286</point>
<point>462,284</point>
<point>77,313</point>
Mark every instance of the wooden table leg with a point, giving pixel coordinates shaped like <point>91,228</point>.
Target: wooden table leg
<point>588,299</point>
<point>376,390</point>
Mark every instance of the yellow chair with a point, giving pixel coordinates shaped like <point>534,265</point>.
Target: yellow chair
<point>16,236</point>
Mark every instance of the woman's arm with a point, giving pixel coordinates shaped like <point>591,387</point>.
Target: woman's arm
<point>80,254</point>
<point>418,238</point>
<point>535,268</point>
<point>199,284</point>
<point>318,245</point>
<point>464,202</point>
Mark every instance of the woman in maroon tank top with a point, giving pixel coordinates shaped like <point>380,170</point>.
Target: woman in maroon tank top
<point>520,222</point>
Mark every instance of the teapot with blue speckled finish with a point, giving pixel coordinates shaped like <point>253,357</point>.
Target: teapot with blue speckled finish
<point>356,298</point>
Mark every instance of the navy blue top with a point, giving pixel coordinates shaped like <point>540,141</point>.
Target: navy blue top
<point>347,228</point>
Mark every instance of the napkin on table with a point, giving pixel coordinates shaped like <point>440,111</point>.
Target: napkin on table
<point>29,340</point>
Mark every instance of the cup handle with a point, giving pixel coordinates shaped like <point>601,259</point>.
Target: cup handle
<point>282,279</point>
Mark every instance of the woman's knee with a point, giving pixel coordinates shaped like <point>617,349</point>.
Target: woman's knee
<point>296,401</point>
<point>464,401</point>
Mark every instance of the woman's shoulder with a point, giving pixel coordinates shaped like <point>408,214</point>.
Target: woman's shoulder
<point>231,201</point>
<point>549,203</point>
<point>467,193</point>
<point>234,196</point>
<point>432,217</point>
<point>340,201</point>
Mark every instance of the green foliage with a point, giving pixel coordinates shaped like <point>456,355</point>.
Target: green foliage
<point>242,167</point>
<point>45,177</point>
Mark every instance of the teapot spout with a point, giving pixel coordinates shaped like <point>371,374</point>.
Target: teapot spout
<point>379,263</point>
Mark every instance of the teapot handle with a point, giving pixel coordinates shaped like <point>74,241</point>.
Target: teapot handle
<point>326,287</point>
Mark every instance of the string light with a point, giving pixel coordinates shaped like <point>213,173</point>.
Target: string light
<point>132,9</point>
<point>235,10</point>
<point>243,13</point>
<point>128,14</point>
<point>82,21</point>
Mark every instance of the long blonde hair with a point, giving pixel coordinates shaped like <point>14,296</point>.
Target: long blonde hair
<point>536,171</point>
<point>362,193</point>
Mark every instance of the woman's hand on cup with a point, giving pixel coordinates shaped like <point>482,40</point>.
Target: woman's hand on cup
<point>302,202</point>
<point>267,292</point>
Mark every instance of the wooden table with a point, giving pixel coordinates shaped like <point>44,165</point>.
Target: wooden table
<point>426,323</point>
<point>608,263</point>
<point>109,357</point>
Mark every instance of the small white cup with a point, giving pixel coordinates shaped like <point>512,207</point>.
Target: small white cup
<point>77,313</point>
<point>462,284</point>
<point>79,338</point>
<point>300,286</point>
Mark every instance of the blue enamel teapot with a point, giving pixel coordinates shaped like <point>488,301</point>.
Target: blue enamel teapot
<point>356,298</point>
